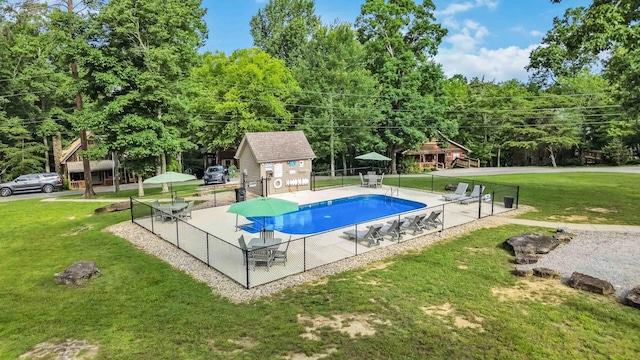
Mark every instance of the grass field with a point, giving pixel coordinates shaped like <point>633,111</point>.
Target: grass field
<point>454,300</point>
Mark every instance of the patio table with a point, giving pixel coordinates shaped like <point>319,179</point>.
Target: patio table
<point>170,209</point>
<point>272,243</point>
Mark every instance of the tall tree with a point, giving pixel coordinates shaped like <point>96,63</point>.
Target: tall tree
<point>283,29</point>
<point>245,92</point>
<point>143,50</point>
<point>337,122</point>
<point>401,38</point>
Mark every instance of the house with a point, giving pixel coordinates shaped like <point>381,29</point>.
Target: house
<point>282,159</point>
<point>432,155</point>
<point>101,170</point>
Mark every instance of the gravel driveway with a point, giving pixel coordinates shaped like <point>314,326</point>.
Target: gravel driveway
<point>610,256</point>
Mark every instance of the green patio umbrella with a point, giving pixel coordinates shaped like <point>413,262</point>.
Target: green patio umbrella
<point>264,206</point>
<point>169,177</point>
<point>373,156</point>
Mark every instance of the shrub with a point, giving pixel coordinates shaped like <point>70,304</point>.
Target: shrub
<point>616,152</point>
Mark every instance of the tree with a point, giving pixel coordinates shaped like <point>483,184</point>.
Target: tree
<point>283,29</point>
<point>335,121</point>
<point>400,39</point>
<point>245,92</point>
<point>142,53</point>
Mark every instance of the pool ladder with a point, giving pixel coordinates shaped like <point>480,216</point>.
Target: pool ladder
<point>391,191</point>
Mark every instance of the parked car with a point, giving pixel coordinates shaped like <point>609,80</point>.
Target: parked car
<point>45,182</point>
<point>216,175</point>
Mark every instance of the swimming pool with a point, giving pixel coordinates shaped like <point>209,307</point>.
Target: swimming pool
<point>332,214</point>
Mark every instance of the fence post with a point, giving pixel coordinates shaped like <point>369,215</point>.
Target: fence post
<point>246,262</point>
<point>215,201</point>
<point>131,207</point>
<point>342,178</point>
<point>517,195</point>
<point>177,234</point>
<point>493,200</point>
<point>208,263</point>
<point>431,183</point>
<point>441,230</point>
<point>356,240</point>
<point>304,254</point>
<point>152,221</point>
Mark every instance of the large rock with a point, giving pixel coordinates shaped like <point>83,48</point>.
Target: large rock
<point>77,274</point>
<point>522,272</point>
<point>563,235</point>
<point>119,206</point>
<point>526,259</point>
<point>546,273</point>
<point>531,244</point>
<point>590,283</point>
<point>633,298</point>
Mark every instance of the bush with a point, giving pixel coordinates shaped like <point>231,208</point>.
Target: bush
<point>616,152</point>
<point>410,166</point>
<point>65,184</point>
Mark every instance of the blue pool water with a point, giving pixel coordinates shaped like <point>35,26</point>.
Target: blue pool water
<point>332,214</point>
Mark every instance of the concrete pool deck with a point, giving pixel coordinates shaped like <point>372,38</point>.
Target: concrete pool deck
<point>305,251</point>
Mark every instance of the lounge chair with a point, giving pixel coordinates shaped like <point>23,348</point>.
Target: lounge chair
<point>186,212</point>
<point>475,195</point>
<point>433,219</point>
<point>413,223</point>
<point>281,255</point>
<point>393,230</point>
<point>461,191</point>
<point>363,182</point>
<point>371,236</point>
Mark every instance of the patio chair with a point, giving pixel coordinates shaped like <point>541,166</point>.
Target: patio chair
<point>461,191</point>
<point>413,223</point>
<point>371,236</point>
<point>393,230</point>
<point>379,182</point>
<point>433,219</point>
<point>363,182</point>
<point>260,256</point>
<point>155,208</point>
<point>281,255</point>
<point>186,212</point>
<point>475,195</point>
<point>373,180</point>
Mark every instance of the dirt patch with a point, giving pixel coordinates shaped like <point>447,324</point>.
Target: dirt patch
<point>602,210</point>
<point>323,281</point>
<point>378,266</point>
<point>242,343</point>
<point>351,324</point>
<point>550,292</point>
<point>574,218</point>
<point>70,349</point>
<point>443,311</point>
<point>71,218</point>
<point>74,232</point>
<point>463,266</point>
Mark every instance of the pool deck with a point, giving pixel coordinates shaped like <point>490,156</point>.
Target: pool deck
<point>307,251</point>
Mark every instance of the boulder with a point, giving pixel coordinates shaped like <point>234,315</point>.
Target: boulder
<point>530,244</point>
<point>633,298</point>
<point>526,259</point>
<point>77,274</point>
<point>523,272</point>
<point>119,206</point>
<point>563,235</point>
<point>546,273</point>
<point>451,187</point>
<point>590,283</point>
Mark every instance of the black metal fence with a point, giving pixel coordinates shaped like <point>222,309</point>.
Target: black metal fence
<point>305,253</point>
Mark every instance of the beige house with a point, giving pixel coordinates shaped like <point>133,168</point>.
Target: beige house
<point>282,158</point>
<point>73,169</point>
<point>432,155</point>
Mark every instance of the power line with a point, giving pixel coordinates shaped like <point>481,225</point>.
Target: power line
<point>28,93</point>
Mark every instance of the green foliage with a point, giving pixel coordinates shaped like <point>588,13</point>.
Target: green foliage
<point>283,28</point>
<point>410,165</point>
<point>245,92</point>
<point>400,40</point>
<point>616,152</point>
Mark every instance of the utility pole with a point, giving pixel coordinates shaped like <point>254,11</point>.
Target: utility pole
<point>84,143</point>
<point>331,144</point>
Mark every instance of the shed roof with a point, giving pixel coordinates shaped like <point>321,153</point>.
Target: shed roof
<point>277,146</point>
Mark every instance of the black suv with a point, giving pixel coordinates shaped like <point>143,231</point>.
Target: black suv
<point>45,182</point>
<point>216,175</point>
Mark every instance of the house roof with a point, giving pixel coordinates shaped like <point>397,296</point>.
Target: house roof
<point>72,148</point>
<point>276,146</point>
<point>453,142</point>
<point>99,165</point>
<point>428,150</point>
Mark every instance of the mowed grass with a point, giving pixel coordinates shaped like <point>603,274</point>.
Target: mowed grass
<point>598,198</point>
<point>446,301</point>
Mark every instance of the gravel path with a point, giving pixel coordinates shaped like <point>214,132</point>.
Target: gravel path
<point>609,256</point>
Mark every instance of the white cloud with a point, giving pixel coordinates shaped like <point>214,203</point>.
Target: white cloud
<point>450,23</point>
<point>452,9</point>
<point>493,64</point>
<point>536,33</point>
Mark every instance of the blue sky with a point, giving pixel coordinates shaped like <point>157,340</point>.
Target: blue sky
<point>487,38</point>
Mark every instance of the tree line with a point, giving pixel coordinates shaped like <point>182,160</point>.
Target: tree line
<point>130,73</point>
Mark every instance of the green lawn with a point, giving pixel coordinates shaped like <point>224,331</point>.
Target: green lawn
<point>600,198</point>
<point>142,308</point>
